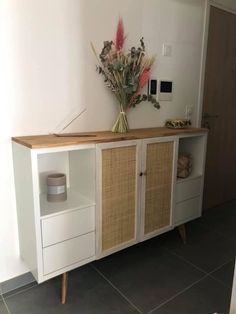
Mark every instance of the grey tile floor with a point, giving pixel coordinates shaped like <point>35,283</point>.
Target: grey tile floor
<point>158,276</point>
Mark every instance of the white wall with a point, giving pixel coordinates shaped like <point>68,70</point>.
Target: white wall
<point>176,22</point>
<point>10,264</point>
<point>50,71</point>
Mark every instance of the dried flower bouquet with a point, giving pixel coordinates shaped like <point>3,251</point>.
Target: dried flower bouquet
<point>125,74</point>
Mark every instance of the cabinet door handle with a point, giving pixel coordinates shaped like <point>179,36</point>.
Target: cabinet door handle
<point>143,173</point>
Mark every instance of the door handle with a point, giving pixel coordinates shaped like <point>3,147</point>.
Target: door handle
<point>205,119</point>
<point>143,173</point>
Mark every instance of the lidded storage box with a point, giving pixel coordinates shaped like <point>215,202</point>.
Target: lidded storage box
<point>56,187</point>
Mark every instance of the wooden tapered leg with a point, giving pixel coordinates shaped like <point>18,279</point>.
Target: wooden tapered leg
<point>64,287</point>
<point>182,232</point>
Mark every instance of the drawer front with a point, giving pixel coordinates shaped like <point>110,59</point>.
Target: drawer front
<point>188,189</point>
<point>69,225</point>
<point>60,255</point>
<point>187,210</point>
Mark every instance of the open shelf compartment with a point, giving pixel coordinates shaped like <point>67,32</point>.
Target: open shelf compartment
<point>195,147</point>
<point>79,168</point>
<point>74,201</point>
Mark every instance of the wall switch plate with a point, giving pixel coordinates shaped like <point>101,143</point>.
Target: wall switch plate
<point>165,90</point>
<point>167,50</point>
<point>188,112</point>
<point>152,87</point>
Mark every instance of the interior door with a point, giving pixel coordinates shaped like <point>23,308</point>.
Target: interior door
<point>219,109</point>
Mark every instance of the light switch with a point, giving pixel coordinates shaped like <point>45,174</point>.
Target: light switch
<point>167,50</point>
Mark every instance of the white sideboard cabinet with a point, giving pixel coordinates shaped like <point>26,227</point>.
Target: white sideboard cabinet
<point>121,189</point>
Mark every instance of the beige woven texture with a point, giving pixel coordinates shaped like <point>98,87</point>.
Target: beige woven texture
<point>118,196</point>
<point>158,186</point>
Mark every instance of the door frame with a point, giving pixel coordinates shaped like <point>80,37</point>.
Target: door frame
<point>208,5</point>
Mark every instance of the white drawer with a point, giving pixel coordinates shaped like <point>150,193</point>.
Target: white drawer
<point>188,189</point>
<point>187,210</point>
<point>69,225</point>
<point>68,252</point>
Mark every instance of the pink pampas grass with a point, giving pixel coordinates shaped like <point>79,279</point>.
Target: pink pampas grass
<point>119,42</point>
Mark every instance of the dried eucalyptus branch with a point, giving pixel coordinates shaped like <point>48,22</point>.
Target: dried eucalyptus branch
<point>125,74</point>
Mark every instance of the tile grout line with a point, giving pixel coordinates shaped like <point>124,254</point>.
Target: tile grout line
<point>218,280</point>
<point>186,261</point>
<point>4,302</point>
<point>20,291</point>
<point>114,287</point>
<point>206,225</point>
<point>217,268</point>
<point>206,273</point>
<point>177,294</point>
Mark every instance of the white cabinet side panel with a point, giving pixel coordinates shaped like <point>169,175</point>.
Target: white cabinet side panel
<point>25,206</point>
<point>82,172</point>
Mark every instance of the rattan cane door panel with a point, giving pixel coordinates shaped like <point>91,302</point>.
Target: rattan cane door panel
<point>118,196</point>
<point>159,168</point>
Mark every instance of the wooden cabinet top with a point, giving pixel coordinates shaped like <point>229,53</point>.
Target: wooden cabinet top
<point>56,140</point>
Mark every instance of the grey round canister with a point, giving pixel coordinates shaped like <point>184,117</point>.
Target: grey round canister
<point>56,187</point>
